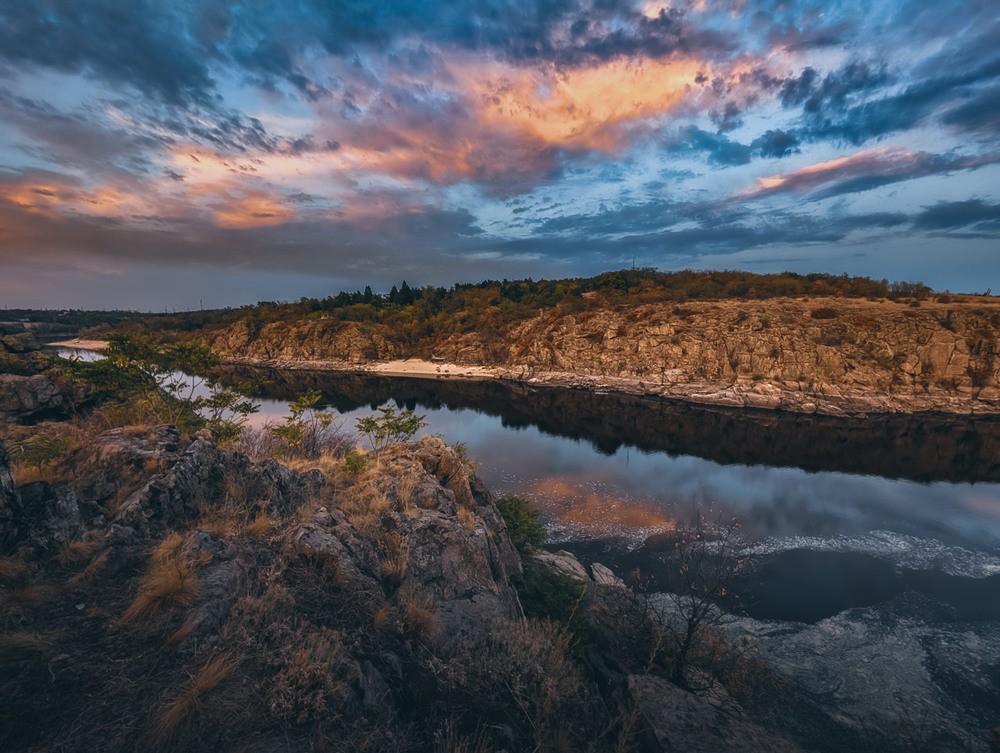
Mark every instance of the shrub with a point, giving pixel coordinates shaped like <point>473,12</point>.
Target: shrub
<point>39,450</point>
<point>390,427</point>
<point>548,595</point>
<point>824,312</point>
<point>522,523</point>
<point>355,462</point>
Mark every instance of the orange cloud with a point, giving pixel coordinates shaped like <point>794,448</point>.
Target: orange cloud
<point>823,172</point>
<point>581,108</point>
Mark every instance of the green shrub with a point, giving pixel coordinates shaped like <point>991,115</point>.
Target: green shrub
<point>355,462</point>
<point>390,427</point>
<point>824,312</point>
<point>522,524</point>
<point>39,450</point>
<point>548,595</point>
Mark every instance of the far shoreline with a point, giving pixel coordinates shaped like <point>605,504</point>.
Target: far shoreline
<point>754,396</point>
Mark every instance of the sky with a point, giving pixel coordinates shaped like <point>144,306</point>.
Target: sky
<point>170,155</point>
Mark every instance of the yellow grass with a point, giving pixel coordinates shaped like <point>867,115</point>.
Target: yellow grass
<point>420,616</point>
<point>467,518</point>
<point>261,526</point>
<point>74,553</point>
<point>169,582</point>
<point>177,711</point>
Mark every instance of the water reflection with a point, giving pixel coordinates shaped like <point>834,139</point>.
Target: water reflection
<point>785,476</point>
<point>619,469</point>
<point>923,448</point>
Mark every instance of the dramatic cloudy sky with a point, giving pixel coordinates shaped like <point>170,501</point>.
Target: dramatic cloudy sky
<point>154,154</point>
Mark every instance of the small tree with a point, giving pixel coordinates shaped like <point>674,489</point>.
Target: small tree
<point>161,384</point>
<point>705,563</point>
<point>302,429</point>
<point>390,427</point>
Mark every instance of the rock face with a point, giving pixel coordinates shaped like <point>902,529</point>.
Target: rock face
<point>903,670</point>
<point>459,568</point>
<point>676,720</point>
<point>10,503</point>
<point>29,398</point>
<point>864,357</point>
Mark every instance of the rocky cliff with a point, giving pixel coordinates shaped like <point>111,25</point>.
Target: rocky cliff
<point>25,394</point>
<point>826,355</point>
<point>169,594</point>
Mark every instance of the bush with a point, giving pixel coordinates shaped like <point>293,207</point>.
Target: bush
<point>522,524</point>
<point>355,462</point>
<point>390,427</point>
<point>824,312</point>
<point>548,595</point>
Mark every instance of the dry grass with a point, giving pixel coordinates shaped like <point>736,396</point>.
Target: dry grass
<point>313,676</point>
<point>170,582</point>
<point>467,518</point>
<point>261,525</point>
<point>75,553</point>
<point>382,617</point>
<point>392,555</point>
<point>406,484</point>
<point>524,672</point>
<point>421,619</point>
<point>12,569</point>
<point>450,740</point>
<point>33,594</point>
<point>179,710</point>
<point>364,502</point>
<point>329,463</point>
<point>30,475</point>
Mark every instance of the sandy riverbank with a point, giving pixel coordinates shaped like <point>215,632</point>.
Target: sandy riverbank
<point>415,367</point>
<point>79,344</point>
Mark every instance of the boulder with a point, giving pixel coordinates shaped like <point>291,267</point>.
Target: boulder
<point>563,563</point>
<point>674,719</point>
<point>459,570</point>
<point>604,576</point>
<point>29,398</point>
<point>50,515</point>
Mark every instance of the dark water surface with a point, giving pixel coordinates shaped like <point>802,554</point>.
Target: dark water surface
<point>846,512</point>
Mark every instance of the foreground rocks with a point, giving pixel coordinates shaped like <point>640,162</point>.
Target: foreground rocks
<point>176,595</point>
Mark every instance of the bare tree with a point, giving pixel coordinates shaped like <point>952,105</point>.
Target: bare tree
<point>706,561</point>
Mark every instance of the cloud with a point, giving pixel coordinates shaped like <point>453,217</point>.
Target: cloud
<point>958,214</point>
<point>776,143</point>
<point>864,171</point>
<point>140,43</point>
<point>719,149</point>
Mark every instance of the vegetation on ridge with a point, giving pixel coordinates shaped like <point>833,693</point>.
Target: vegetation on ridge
<point>469,307</point>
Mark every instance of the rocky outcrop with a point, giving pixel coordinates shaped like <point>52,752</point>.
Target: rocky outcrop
<point>675,720</point>
<point>30,398</point>
<point>458,567</point>
<point>860,356</point>
<point>218,603</point>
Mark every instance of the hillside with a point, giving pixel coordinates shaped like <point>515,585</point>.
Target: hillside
<point>828,355</point>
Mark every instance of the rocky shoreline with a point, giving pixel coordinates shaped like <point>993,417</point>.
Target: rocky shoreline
<point>766,396</point>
